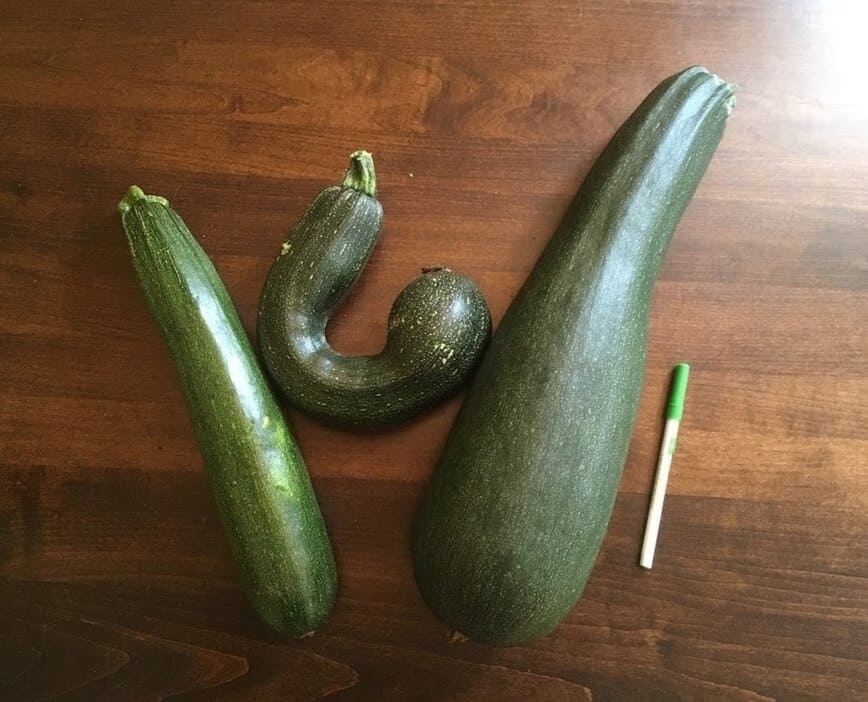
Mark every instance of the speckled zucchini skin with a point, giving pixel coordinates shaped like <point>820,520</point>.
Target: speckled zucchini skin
<point>519,502</point>
<point>263,492</point>
<point>438,325</point>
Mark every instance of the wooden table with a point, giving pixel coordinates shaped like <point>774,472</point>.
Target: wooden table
<point>484,117</point>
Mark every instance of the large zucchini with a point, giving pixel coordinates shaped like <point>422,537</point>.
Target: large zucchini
<point>519,502</point>
<point>438,325</point>
<point>263,491</point>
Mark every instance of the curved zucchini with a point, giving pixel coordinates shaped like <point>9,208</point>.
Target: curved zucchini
<point>438,325</point>
<point>518,504</point>
<point>260,483</point>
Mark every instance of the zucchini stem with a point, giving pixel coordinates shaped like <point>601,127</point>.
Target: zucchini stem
<point>134,194</point>
<point>360,173</point>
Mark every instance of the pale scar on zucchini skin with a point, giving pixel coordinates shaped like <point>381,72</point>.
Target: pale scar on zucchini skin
<point>438,327</point>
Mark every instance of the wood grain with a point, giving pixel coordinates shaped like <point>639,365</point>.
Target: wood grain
<point>115,581</point>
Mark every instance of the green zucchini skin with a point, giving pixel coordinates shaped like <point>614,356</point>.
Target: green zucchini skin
<point>438,326</point>
<point>262,489</point>
<point>518,505</point>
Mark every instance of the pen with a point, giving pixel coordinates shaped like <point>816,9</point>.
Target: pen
<point>674,410</point>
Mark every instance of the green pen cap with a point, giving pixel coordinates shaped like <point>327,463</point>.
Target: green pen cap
<point>677,391</point>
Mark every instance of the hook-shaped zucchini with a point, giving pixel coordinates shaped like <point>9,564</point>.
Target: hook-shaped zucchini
<point>438,325</point>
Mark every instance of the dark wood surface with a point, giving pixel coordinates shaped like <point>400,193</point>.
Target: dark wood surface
<point>115,580</point>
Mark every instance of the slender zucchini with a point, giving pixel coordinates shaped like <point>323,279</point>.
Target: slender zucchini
<point>263,492</point>
<point>519,502</point>
<point>438,325</point>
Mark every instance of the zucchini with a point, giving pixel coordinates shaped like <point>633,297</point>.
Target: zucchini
<point>518,505</point>
<point>263,492</point>
<point>438,326</point>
